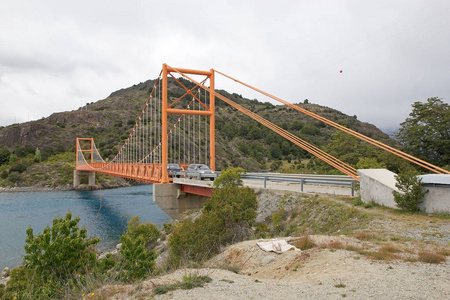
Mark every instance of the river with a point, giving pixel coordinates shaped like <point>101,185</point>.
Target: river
<point>104,213</point>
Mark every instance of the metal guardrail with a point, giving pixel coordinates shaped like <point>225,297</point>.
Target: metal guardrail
<point>334,180</point>
<point>302,179</point>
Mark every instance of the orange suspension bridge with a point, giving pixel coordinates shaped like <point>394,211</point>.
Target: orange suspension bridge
<point>182,130</point>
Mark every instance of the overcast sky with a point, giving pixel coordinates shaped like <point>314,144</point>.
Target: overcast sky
<point>58,55</point>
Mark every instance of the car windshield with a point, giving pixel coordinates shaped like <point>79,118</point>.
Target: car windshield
<point>203,167</point>
<point>173,166</point>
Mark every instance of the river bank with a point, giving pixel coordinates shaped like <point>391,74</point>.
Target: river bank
<point>67,187</point>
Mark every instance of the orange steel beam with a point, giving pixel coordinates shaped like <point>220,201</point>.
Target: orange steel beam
<point>188,91</point>
<point>376,143</point>
<point>210,112</point>
<point>164,141</point>
<point>338,164</point>
<point>212,124</point>
<point>189,112</point>
<point>188,71</point>
<point>78,145</point>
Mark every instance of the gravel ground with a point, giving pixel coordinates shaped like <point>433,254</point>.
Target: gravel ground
<point>318,273</point>
<point>321,272</point>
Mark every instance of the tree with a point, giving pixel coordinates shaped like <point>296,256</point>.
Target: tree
<point>426,132</point>
<point>411,193</point>
<point>4,156</point>
<point>230,177</point>
<point>37,155</point>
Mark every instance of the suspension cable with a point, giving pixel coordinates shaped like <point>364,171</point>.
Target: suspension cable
<point>376,143</point>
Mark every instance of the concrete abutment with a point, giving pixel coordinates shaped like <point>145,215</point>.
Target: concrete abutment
<point>77,174</point>
<point>173,201</point>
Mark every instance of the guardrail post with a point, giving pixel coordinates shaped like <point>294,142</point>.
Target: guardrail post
<point>353,188</point>
<point>265,180</point>
<point>301,185</point>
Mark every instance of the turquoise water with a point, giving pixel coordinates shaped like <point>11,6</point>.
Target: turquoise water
<point>104,213</point>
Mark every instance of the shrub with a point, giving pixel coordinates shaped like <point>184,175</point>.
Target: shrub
<point>431,258</point>
<point>411,193</point>
<point>57,255</point>
<point>233,205</point>
<point>305,243</point>
<point>19,167</point>
<point>196,240</point>
<point>229,177</point>
<point>148,231</point>
<point>138,258</point>
<point>37,156</point>
<point>262,230</point>
<point>136,261</point>
<point>227,217</point>
<point>59,251</point>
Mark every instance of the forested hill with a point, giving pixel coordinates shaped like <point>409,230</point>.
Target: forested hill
<point>240,141</point>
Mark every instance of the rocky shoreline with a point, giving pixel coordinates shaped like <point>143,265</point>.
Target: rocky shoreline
<point>62,188</point>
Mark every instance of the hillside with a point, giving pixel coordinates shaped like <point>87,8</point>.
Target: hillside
<point>240,141</point>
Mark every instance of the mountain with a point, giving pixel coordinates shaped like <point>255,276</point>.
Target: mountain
<point>240,141</point>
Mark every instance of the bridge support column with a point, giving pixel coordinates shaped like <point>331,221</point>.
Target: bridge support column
<point>77,174</point>
<point>173,201</point>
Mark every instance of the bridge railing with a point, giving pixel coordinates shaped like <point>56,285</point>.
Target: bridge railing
<point>331,180</point>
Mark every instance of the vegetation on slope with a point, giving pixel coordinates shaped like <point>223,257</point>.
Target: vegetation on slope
<point>240,141</point>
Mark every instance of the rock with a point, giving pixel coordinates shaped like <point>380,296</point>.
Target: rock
<point>6,271</point>
<point>267,259</point>
<point>118,246</point>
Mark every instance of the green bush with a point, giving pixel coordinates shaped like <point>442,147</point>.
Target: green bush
<point>19,167</point>
<point>411,193</point>
<point>233,205</point>
<point>136,261</point>
<point>53,259</point>
<point>196,240</point>
<point>60,251</point>
<point>148,231</point>
<point>138,258</point>
<point>231,176</point>
<point>227,218</point>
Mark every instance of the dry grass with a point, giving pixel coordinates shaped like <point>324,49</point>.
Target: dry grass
<point>443,251</point>
<point>365,236</point>
<point>431,258</point>
<point>333,245</point>
<point>305,243</point>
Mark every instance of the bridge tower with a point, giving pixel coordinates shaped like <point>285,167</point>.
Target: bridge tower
<point>166,110</point>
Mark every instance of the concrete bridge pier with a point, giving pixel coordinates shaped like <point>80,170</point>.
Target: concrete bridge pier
<point>173,201</point>
<point>77,174</point>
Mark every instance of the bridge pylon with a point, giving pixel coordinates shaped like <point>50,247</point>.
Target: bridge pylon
<point>209,111</point>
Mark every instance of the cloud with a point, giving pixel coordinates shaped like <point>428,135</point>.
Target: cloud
<point>57,55</point>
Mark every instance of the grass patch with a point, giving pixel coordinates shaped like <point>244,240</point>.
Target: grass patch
<point>431,258</point>
<point>189,282</point>
<point>389,249</point>
<point>381,254</point>
<point>365,236</point>
<point>444,252</point>
<point>305,243</point>
<point>230,267</point>
<point>324,216</point>
<point>333,245</point>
